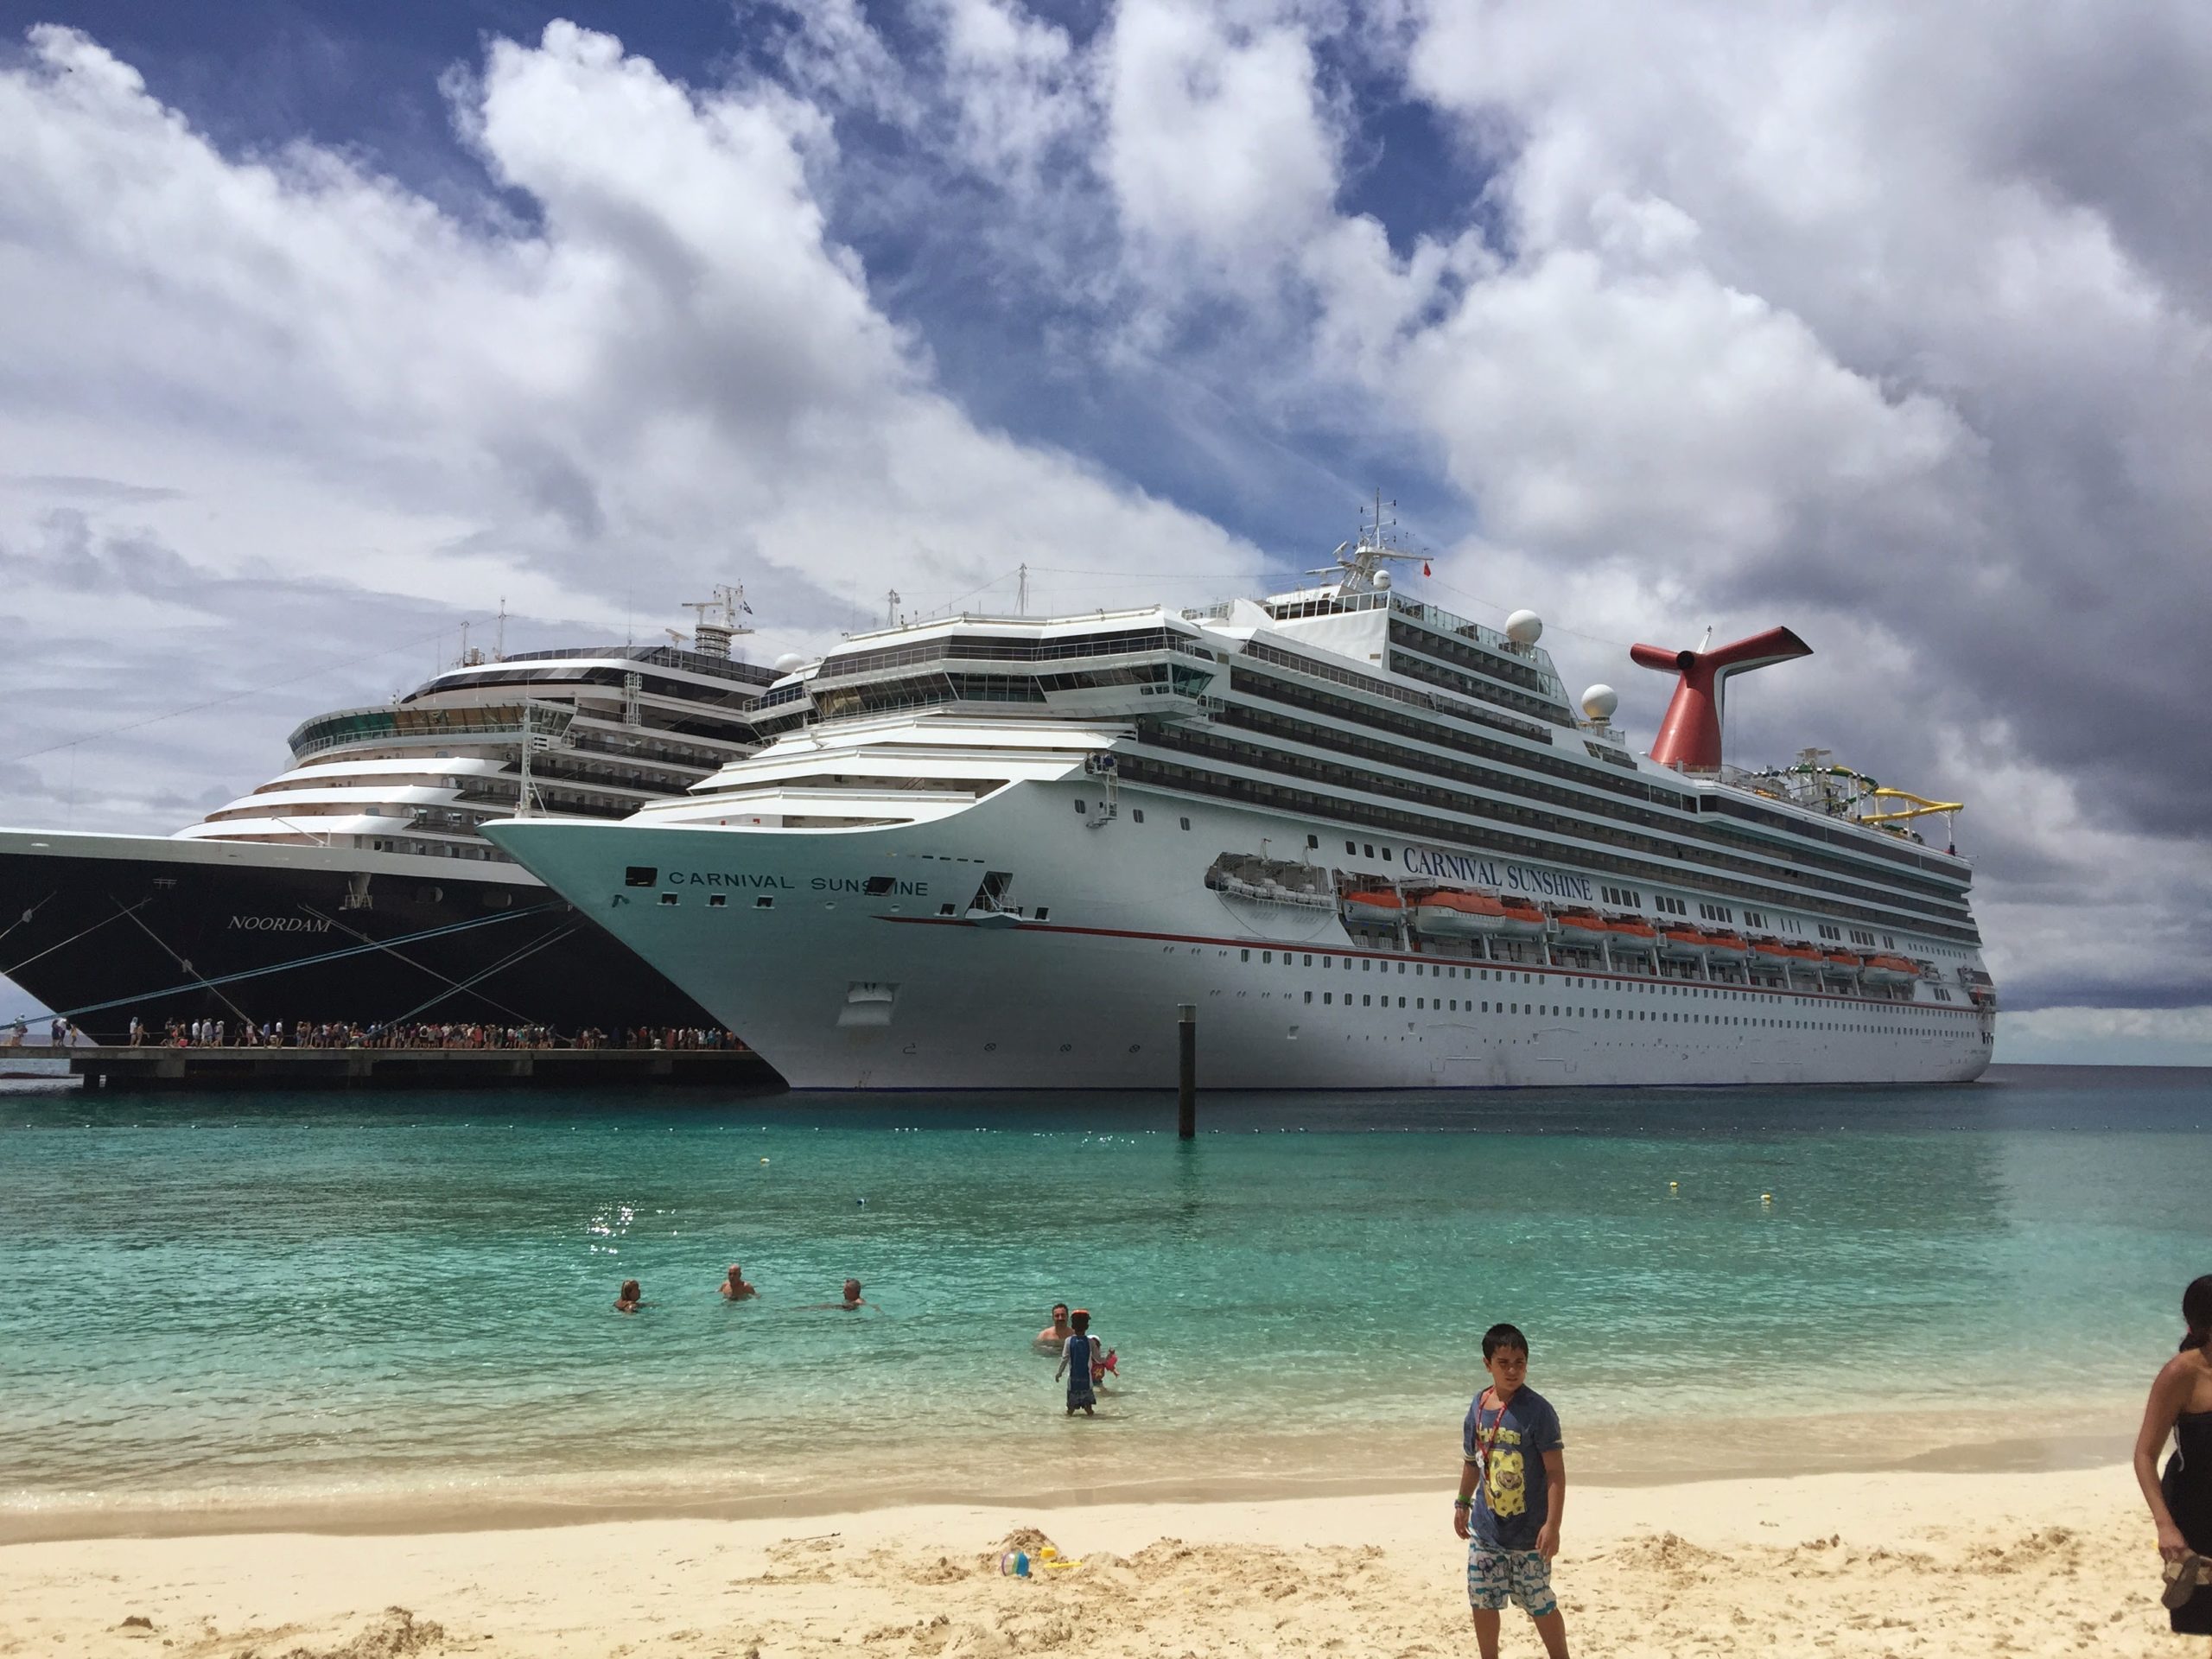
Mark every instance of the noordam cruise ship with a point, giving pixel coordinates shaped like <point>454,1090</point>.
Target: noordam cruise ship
<point>1371,842</point>
<point>354,886</point>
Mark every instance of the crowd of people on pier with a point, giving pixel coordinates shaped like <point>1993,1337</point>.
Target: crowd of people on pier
<point>308,1033</point>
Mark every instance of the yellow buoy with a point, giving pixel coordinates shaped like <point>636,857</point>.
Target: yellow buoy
<point>1766,1198</point>
<point>764,1161</point>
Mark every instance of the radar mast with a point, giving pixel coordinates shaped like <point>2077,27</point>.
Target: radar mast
<point>719,621</point>
<point>1358,566</point>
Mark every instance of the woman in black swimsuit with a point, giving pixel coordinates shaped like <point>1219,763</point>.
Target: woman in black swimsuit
<point>2181,1501</point>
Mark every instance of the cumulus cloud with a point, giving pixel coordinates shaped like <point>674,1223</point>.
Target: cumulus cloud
<point>1216,144</point>
<point>285,369</point>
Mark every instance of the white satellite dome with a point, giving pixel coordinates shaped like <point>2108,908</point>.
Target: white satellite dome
<point>1382,581</point>
<point>1525,627</point>
<point>790,662</point>
<point>1599,701</point>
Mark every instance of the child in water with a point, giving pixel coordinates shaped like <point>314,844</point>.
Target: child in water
<point>1076,1361</point>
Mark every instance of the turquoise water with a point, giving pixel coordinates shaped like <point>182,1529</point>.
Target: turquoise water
<point>225,1306</point>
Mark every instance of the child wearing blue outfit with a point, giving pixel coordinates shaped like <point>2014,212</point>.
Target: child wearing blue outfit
<point>1512,1495</point>
<point>1075,1359</point>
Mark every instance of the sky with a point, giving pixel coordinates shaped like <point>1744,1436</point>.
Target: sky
<point>325,329</point>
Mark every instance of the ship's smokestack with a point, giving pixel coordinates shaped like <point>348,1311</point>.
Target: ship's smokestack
<point>1689,737</point>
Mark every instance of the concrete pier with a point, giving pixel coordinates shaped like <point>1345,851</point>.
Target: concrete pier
<point>162,1068</point>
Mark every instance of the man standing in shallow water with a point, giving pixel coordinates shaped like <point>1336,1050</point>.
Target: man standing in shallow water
<point>1054,1337</point>
<point>1513,1470</point>
<point>737,1287</point>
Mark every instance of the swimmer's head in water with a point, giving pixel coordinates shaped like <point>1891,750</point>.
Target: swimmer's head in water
<point>736,1273</point>
<point>1080,1318</point>
<point>852,1290</point>
<point>1060,1312</point>
<point>630,1290</point>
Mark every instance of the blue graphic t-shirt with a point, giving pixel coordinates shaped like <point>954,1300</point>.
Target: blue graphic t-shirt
<point>1511,1496</point>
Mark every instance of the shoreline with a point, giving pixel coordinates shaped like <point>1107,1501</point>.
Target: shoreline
<point>371,1513</point>
<point>2024,1564</point>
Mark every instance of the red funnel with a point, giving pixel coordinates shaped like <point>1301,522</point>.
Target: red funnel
<point>1689,737</point>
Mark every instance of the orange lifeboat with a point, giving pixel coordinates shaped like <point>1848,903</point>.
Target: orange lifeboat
<point>1373,907</point>
<point>1522,916</point>
<point>1774,952</point>
<point>1841,962</point>
<point>1682,944</point>
<point>1890,970</point>
<point>1632,933</point>
<point>1453,913</point>
<point>1581,926</point>
<point>1722,945</point>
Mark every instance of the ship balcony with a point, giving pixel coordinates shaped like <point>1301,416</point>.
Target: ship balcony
<point>346,728</point>
<point>796,806</point>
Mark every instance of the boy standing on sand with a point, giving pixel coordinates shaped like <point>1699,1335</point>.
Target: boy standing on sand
<point>1514,1470</point>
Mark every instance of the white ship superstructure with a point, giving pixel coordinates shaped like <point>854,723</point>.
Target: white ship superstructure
<point>596,732</point>
<point>1371,842</point>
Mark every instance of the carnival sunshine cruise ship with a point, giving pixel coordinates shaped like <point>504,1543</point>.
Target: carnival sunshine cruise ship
<point>354,885</point>
<point>1369,842</point>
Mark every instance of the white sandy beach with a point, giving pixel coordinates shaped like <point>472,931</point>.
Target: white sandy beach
<point>1830,1564</point>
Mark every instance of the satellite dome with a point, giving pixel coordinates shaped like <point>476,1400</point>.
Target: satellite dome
<point>1599,701</point>
<point>1382,581</point>
<point>789,661</point>
<point>1525,627</point>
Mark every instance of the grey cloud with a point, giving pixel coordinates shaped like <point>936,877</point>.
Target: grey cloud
<point>89,489</point>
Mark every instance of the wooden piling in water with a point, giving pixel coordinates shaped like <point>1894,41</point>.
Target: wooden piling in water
<point>1187,1071</point>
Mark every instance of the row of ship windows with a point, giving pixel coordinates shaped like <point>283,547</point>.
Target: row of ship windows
<point>1305,804</point>
<point>1634,788</point>
<point>1691,844</point>
<point>1419,668</point>
<point>1758,918</point>
<point>1485,662</point>
<point>1498,720</point>
<point>1662,1016</point>
<point>1507,975</point>
<point>1628,897</point>
<point>767,901</point>
<point>1268,723</point>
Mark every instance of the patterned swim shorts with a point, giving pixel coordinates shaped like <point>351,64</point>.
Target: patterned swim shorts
<point>1495,1576</point>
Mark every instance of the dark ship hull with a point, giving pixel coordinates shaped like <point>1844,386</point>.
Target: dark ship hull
<point>102,928</point>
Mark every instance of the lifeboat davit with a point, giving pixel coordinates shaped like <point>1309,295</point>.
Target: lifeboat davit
<point>1632,933</point>
<point>1890,970</point>
<point>1682,944</point>
<point>1373,907</point>
<point>1522,916</point>
<point>1584,927</point>
<point>1450,914</point>
<point>1724,947</point>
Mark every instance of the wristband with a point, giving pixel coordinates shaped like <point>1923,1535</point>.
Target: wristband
<point>1462,1502</point>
